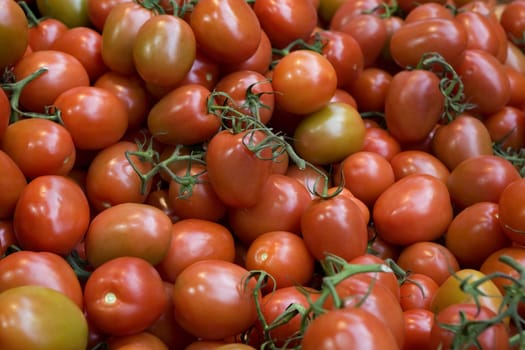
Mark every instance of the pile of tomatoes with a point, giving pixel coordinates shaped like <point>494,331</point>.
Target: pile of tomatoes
<point>265,174</point>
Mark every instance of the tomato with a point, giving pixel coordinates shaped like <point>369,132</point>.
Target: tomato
<point>344,96</point>
<point>327,9</point>
<point>427,10</point>
<point>418,325</point>
<point>380,141</point>
<point>475,233</point>
<point>310,178</point>
<point>85,44</point>
<point>118,35</point>
<point>493,264</point>
<point>413,105</point>
<point>282,202</point>
<point>304,81</point>
<point>43,269</point>
<point>39,147</point>
<point>7,236</point>
<point>417,291</point>
<point>14,33</point>
<point>515,58</point>
<point>62,217</point>
<point>450,291</point>
<point>386,279</point>
<point>142,339</point>
<point>480,179</point>
<point>238,86</point>
<point>411,162</point>
<point>164,50</point>
<point>235,172</point>
<point>429,258</point>
<point>335,225</point>
<point>194,240</point>
<point>370,89</point>
<point>464,137</point>
<point>405,212</point>
<point>517,86</point>
<point>72,13</point>
<point>98,11</point>
<point>330,134</point>
<point>31,315</point>
<point>511,211</point>
<point>228,31</point>
<point>64,72</point>
<point>444,36</point>
<point>111,180</point>
<point>366,174</point>
<point>45,32</point>
<point>507,127</point>
<point>131,91</point>
<point>5,112</point>
<point>285,21</point>
<point>124,296</point>
<point>283,255</point>
<point>493,337</point>
<point>213,300</point>
<point>512,21</point>
<point>12,183</point>
<point>349,328</point>
<point>259,62</point>
<point>483,75</point>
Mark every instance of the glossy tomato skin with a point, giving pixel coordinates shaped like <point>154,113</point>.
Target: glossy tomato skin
<point>329,134</point>
<point>64,72</point>
<point>369,89</point>
<point>164,50</point>
<point>511,211</point>
<point>493,264</point>
<point>404,212</point>
<point>12,183</point>
<point>356,328</point>
<point>259,62</point>
<point>181,116</point>
<point>40,147</point>
<point>124,296</point>
<point>304,81</point>
<point>381,141</point>
<point>31,316</point>
<point>43,269</point>
<point>142,339</point>
<point>14,33</point>
<point>228,31</point>
<point>194,240</point>
<point>418,325</point>
<point>7,236</point>
<point>45,33</point>
<point>417,291</point>
<point>507,127</point>
<point>98,11</point>
<point>72,12</point>
<point>410,162</point>
<point>62,218</point>
<point>413,105</point>
<point>213,300</point>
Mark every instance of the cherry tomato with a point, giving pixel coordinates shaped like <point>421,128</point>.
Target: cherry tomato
<point>12,182</point>
<point>228,31</point>
<point>304,81</point>
<point>62,217</point>
<point>31,316</point>
<point>14,33</point>
<point>417,291</point>
<point>45,32</point>
<point>511,211</point>
<point>330,134</point>
<point>124,296</point>
<point>214,300</point>
<point>194,240</point>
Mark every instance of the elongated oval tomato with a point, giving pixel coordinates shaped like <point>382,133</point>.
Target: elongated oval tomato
<point>164,50</point>
<point>228,30</point>
<point>236,173</point>
<point>406,211</point>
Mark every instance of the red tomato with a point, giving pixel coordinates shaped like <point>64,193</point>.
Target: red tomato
<point>310,178</point>
<point>213,300</point>
<point>12,183</point>
<point>98,11</point>
<point>405,212</point>
<point>304,81</point>
<point>429,258</point>
<point>493,264</point>
<point>511,213</point>
<point>475,233</point>
<point>370,89</point>
<point>124,296</point>
<point>139,340</point>
<point>413,105</point>
<point>236,173</point>
<point>335,225</point>
<point>285,21</point>
<point>164,50</point>
<point>517,86</point>
<point>228,31</point>
<point>259,62</point>
<point>45,32</point>
<point>43,269</point>
<point>7,236</point>
<point>418,325</point>
<point>418,162</point>
<point>39,147</point>
<point>386,279</point>
<point>204,71</point>
<point>380,141</point>
<point>194,240</point>
<point>507,127</point>
<point>64,72</point>
<point>62,217</point>
<point>283,255</point>
<point>280,206</point>
<point>512,21</point>
<point>5,112</point>
<point>426,10</point>
<point>14,35</point>
<point>417,291</point>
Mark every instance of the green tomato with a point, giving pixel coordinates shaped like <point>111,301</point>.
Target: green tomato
<point>73,13</point>
<point>330,134</point>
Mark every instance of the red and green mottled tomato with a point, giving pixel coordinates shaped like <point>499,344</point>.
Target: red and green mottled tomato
<point>164,50</point>
<point>61,219</point>
<point>72,13</point>
<point>12,183</point>
<point>330,134</point>
<point>31,315</point>
<point>124,296</point>
<point>14,33</point>
<point>405,212</point>
<point>304,81</point>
